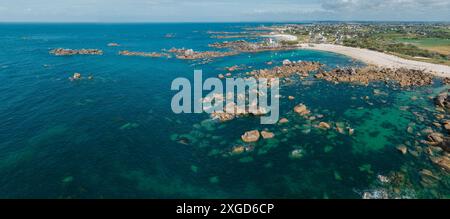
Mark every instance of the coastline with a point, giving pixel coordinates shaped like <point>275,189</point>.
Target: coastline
<point>380,59</point>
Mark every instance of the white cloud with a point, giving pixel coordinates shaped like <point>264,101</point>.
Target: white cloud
<point>335,5</point>
<point>426,10</point>
<point>223,10</point>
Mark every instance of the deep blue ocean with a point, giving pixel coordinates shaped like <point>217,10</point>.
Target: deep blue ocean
<point>116,136</point>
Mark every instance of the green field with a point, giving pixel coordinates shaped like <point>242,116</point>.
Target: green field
<point>433,44</point>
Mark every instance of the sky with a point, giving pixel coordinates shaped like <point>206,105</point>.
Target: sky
<point>222,10</point>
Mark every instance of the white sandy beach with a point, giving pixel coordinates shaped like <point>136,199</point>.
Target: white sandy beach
<point>381,59</point>
<point>282,37</point>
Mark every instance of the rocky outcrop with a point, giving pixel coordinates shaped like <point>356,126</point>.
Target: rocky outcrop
<point>267,134</point>
<point>144,54</point>
<point>238,150</point>
<point>324,125</point>
<point>302,110</point>
<point>402,77</point>
<point>403,149</point>
<point>442,161</point>
<point>245,46</point>
<point>443,100</point>
<point>251,136</point>
<point>71,52</point>
<point>76,76</point>
<point>283,121</point>
<point>446,81</point>
<point>297,154</point>
<point>190,54</point>
<point>300,68</point>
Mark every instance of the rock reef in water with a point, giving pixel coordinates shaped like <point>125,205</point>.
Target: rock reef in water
<point>190,54</point>
<point>402,76</point>
<point>244,46</point>
<point>297,154</point>
<point>302,110</point>
<point>301,68</point>
<point>251,136</point>
<point>71,52</point>
<point>438,149</point>
<point>144,54</point>
<point>267,134</point>
<point>443,101</point>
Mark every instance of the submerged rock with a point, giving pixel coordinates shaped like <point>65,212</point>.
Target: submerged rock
<point>403,149</point>
<point>351,131</point>
<point>68,179</point>
<point>214,180</point>
<point>251,136</point>
<point>428,179</point>
<point>443,100</point>
<point>446,125</point>
<point>377,194</point>
<point>297,154</point>
<point>442,161</point>
<point>246,159</point>
<point>238,150</point>
<point>130,125</point>
<point>302,110</point>
<point>435,138</point>
<point>194,168</point>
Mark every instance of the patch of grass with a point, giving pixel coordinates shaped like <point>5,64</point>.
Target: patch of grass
<point>438,45</point>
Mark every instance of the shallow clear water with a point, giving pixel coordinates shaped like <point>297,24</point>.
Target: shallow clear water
<point>116,136</point>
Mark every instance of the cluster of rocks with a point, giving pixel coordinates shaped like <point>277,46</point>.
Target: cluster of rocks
<point>71,52</point>
<point>230,44</point>
<point>245,46</point>
<point>304,112</point>
<point>144,54</point>
<point>228,116</point>
<point>234,68</point>
<point>402,76</point>
<point>222,76</point>
<point>231,110</point>
<point>191,54</point>
<point>301,68</point>
<point>255,135</point>
<point>438,149</point>
<point>446,81</point>
<point>442,101</point>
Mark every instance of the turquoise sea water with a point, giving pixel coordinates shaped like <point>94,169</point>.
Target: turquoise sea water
<point>116,137</point>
